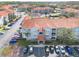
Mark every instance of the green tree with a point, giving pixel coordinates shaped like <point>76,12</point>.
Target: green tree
<point>69,14</point>
<point>29,9</point>
<point>65,36</point>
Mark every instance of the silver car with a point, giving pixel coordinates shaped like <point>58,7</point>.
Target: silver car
<point>62,49</point>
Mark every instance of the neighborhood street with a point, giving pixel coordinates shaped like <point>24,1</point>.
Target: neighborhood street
<point>9,34</point>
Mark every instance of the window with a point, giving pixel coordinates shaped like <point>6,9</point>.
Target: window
<point>53,38</point>
<point>53,33</point>
<point>53,29</point>
<point>40,32</point>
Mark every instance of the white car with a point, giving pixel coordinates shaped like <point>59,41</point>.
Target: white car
<point>57,49</point>
<point>47,50</point>
<point>7,28</point>
<point>62,49</point>
<point>31,49</point>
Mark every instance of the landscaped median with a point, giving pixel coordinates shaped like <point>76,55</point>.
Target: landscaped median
<point>16,18</point>
<point>2,29</point>
<point>12,21</point>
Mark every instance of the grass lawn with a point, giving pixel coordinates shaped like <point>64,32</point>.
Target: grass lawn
<point>24,42</point>
<point>63,42</point>
<point>1,30</point>
<point>7,51</point>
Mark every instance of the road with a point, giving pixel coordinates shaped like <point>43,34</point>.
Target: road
<point>9,34</point>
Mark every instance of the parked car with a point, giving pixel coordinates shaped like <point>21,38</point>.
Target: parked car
<point>10,24</point>
<point>75,53</point>
<point>57,50</point>
<point>13,41</point>
<point>30,49</point>
<point>7,28</point>
<point>62,49</point>
<point>16,35</point>
<point>1,33</point>
<point>25,50</point>
<point>68,50</point>
<point>51,48</point>
<point>46,51</point>
<point>77,49</point>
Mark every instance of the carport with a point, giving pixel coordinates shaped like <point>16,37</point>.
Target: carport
<point>39,51</point>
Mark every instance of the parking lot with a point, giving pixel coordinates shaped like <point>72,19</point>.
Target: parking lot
<point>49,51</point>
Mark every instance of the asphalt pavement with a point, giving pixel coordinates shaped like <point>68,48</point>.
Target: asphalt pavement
<point>9,34</point>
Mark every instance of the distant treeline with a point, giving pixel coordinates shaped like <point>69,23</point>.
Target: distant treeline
<point>20,2</point>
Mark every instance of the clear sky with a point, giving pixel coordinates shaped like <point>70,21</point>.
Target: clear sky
<point>40,0</point>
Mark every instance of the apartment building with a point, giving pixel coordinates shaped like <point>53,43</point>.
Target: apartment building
<point>37,29</point>
<point>3,18</point>
<point>42,29</point>
<point>38,11</point>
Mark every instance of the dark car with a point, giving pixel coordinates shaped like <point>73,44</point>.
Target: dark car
<point>13,41</point>
<point>69,50</point>
<point>46,51</point>
<point>75,52</point>
<point>1,33</point>
<point>10,24</point>
<point>51,48</point>
<point>77,49</point>
<point>25,50</point>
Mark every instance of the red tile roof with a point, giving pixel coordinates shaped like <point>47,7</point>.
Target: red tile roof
<point>3,13</point>
<point>40,8</point>
<point>27,18</point>
<point>29,24</point>
<point>8,8</point>
<point>24,6</point>
<point>71,10</point>
<point>52,23</point>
